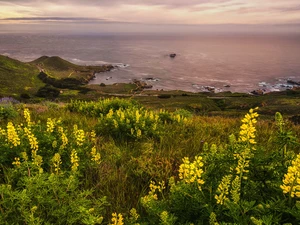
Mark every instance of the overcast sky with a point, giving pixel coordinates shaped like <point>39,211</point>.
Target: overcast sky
<point>149,16</point>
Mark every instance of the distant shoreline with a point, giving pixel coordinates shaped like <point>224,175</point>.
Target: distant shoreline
<point>149,84</point>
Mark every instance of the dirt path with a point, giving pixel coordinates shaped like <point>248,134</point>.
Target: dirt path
<point>71,74</point>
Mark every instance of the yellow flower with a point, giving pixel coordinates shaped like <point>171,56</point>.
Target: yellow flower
<point>2,132</point>
<point>134,215</point>
<point>138,133</point>
<point>116,125</point>
<point>236,189</point>
<point>93,136</point>
<point>12,136</point>
<point>64,138</point>
<point>24,156</point>
<point>243,162</point>
<point>56,160</point>
<point>50,125</point>
<point>38,160</point>
<point>110,114</point>
<point>291,181</point>
<point>117,219</point>
<point>27,116</point>
<point>137,116</point>
<point>79,135</point>
<point>32,140</point>
<point>74,160</point>
<point>17,162</point>
<point>247,129</point>
<point>96,157</point>
<point>223,190</point>
<point>192,172</point>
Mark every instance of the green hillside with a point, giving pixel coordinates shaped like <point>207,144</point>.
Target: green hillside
<point>54,63</point>
<point>59,68</point>
<point>18,77</point>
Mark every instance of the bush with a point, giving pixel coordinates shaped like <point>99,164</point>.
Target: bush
<point>48,91</point>
<point>41,168</point>
<point>239,184</point>
<point>102,107</point>
<point>164,96</point>
<point>25,96</point>
<point>7,111</point>
<point>126,119</point>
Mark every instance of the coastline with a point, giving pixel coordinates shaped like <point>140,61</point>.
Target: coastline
<point>155,84</point>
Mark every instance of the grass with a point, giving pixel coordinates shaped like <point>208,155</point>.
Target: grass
<point>59,68</point>
<point>18,77</point>
<point>128,166</point>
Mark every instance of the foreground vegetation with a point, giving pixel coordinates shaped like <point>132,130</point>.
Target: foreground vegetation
<point>116,162</point>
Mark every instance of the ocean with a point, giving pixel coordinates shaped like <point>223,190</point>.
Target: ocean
<point>223,62</point>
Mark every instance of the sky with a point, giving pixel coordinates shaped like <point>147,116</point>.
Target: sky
<point>149,16</point>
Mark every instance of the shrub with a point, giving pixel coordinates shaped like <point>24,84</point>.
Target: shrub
<point>102,107</point>
<point>7,111</point>
<point>239,184</point>
<point>126,119</point>
<point>41,168</point>
<point>48,91</point>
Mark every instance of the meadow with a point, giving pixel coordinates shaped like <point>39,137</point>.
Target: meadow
<point>114,161</point>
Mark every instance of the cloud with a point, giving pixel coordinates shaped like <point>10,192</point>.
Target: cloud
<point>54,19</point>
<point>168,3</point>
<point>149,12</point>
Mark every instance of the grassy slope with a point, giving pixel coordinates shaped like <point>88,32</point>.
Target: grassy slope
<point>59,68</point>
<point>18,77</point>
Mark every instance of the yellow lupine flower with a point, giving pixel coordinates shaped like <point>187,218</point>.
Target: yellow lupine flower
<point>24,156</point>
<point>79,135</point>
<point>12,136</point>
<point>74,160</point>
<point>64,138</point>
<point>247,129</point>
<point>50,125</point>
<point>117,219</point>
<point>93,136</point>
<point>110,114</point>
<point>38,161</point>
<point>137,116</point>
<point>138,133</point>
<point>243,162</point>
<point>17,162</point>
<point>116,125</point>
<point>96,157</point>
<point>291,181</point>
<point>191,172</point>
<point>223,190</point>
<point>2,132</point>
<point>32,140</point>
<point>56,160</point>
<point>27,116</point>
<point>236,189</point>
<point>134,215</point>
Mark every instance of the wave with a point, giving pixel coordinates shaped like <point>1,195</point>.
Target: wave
<point>94,63</point>
<point>120,65</point>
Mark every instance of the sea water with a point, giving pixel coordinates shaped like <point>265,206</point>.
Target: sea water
<point>224,62</point>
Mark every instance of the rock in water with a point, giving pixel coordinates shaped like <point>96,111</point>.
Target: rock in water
<point>289,81</point>
<point>258,92</point>
<point>173,55</point>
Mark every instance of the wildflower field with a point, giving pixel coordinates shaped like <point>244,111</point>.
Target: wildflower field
<point>115,162</point>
